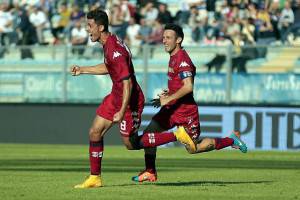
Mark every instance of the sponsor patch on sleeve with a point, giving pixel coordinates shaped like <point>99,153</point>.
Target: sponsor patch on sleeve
<point>185,74</point>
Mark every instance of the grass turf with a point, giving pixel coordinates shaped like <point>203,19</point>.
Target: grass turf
<point>50,172</point>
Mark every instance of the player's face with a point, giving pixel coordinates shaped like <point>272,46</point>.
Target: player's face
<point>170,40</point>
<point>94,30</point>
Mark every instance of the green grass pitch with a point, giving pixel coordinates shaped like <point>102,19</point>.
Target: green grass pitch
<point>37,172</point>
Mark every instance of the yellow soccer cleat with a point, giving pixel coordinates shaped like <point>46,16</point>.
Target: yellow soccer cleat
<point>93,181</point>
<point>183,137</point>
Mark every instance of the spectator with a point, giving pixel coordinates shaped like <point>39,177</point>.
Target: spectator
<point>40,21</point>
<point>251,11</point>
<point>156,36</point>
<point>143,34</point>
<point>116,20</point>
<point>182,16</point>
<point>132,39</point>
<point>150,13</point>
<point>264,30</point>
<point>14,39</point>
<point>6,28</point>
<point>286,20</point>
<point>63,19</point>
<point>197,24</point>
<point>164,15</point>
<point>79,38</point>
<point>28,32</point>
<point>274,11</point>
<point>76,14</point>
<point>125,16</point>
<point>248,30</point>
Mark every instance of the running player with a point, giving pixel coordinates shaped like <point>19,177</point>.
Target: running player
<point>178,109</point>
<point>123,105</point>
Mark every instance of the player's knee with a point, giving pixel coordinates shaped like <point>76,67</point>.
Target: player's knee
<point>134,141</point>
<point>94,134</point>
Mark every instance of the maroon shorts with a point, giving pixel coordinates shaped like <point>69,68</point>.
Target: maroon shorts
<point>169,118</point>
<point>132,117</point>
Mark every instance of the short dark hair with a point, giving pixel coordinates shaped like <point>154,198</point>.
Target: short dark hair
<point>176,28</point>
<point>100,17</point>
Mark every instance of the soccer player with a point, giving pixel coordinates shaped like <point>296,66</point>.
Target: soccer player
<point>123,105</point>
<point>178,108</point>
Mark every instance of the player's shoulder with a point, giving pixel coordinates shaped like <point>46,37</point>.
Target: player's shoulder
<point>116,48</point>
<point>182,54</point>
<point>183,59</point>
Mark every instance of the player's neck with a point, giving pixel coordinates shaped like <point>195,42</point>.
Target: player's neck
<point>175,50</point>
<point>104,37</point>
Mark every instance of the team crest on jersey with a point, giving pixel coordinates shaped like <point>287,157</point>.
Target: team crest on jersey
<point>116,54</point>
<point>184,64</point>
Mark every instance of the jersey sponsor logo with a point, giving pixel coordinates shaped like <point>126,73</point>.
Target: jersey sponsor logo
<point>184,64</point>
<point>116,54</point>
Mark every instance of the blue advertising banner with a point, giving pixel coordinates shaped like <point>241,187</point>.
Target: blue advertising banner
<point>210,88</point>
<point>266,88</point>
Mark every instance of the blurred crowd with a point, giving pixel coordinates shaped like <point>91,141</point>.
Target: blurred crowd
<point>206,22</point>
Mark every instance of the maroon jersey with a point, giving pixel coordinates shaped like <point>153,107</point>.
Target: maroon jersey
<point>184,111</point>
<point>118,62</point>
<point>117,59</point>
<point>181,67</point>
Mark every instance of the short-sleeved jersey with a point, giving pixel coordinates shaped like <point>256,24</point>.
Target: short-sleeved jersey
<point>117,59</point>
<point>180,67</point>
<point>184,111</point>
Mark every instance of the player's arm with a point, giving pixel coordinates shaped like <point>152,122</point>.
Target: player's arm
<point>187,88</point>
<point>99,69</point>
<point>127,88</point>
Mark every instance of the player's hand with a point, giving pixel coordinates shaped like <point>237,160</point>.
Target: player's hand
<point>75,70</point>
<point>118,117</point>
<point>164,100</point>
<point>155,103</point>
<point>164,93</point>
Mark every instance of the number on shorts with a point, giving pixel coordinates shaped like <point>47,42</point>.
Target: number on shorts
<point>123,125</point>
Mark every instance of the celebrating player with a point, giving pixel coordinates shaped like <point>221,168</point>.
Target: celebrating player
<point>178,109</point>
<point>123,105</point>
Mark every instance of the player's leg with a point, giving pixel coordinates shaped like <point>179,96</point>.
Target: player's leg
<point>149,173</point>
<point>209,144</point>
<point>129,127</point>
<point>101,124</point>
<point>132,142</point>
<point>188,128</point>
<point>154,134</point>
<point>99,127</point>
<point>191,127</point>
